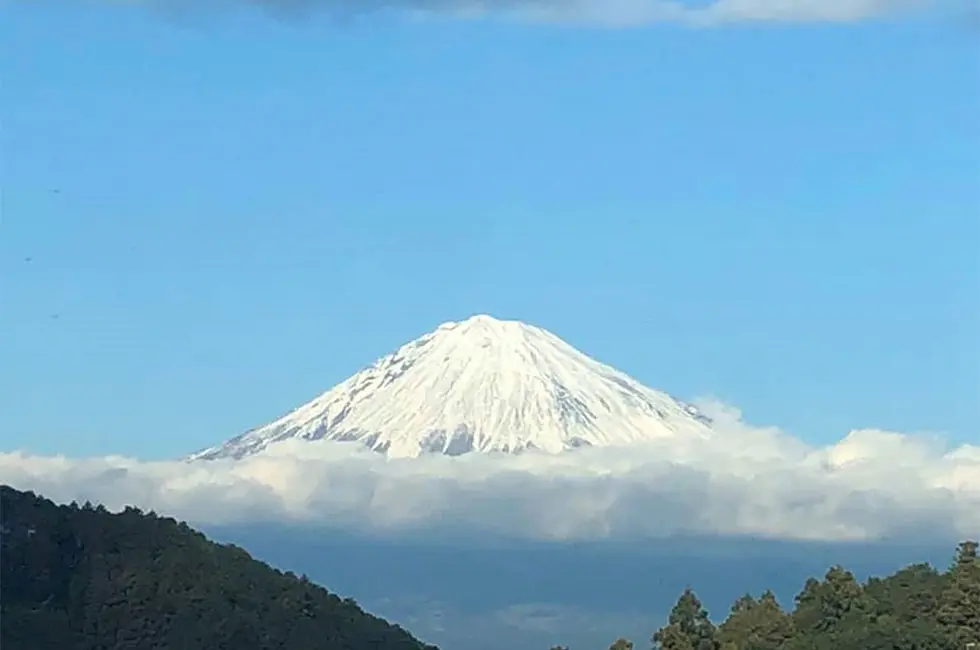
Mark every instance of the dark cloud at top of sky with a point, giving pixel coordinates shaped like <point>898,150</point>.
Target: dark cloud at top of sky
<point>598,12</point>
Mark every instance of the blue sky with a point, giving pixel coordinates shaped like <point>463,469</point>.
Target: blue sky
<point>229,213</point>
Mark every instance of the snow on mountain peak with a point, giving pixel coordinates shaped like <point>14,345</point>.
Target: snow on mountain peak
<point>480,385</point>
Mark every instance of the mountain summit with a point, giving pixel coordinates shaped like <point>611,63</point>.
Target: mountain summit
<point>480,385</point>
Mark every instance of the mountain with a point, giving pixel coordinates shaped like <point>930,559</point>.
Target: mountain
<point>480,385</point>
<point>82,578</point>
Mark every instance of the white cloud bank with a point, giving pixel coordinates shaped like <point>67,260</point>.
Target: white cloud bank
<point>601,12</point>
<point>871,485</point>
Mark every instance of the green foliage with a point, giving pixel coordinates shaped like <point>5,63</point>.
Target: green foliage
<point>959,602</point>
<point>687,627</point>
<point>916,608</point>
<point>621,644</point>
<point>756,625</point>
<point>81,578</point>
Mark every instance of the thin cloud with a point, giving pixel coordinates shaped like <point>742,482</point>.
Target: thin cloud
<point>719,12</point>
<point>601,12</point>
<point>871,485</point>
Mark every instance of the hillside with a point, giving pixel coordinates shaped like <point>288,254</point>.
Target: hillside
<point>916,608</point>
<point>82,578</point>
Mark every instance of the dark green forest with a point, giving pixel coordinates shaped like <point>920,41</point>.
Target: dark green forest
<point>82,578</point>
<point>916,608</point>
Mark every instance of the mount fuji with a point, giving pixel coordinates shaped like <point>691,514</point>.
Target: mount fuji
<point>481,385</point>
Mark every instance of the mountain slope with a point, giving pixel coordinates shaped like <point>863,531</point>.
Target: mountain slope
<point>82,579</point>
<point>480,385</point>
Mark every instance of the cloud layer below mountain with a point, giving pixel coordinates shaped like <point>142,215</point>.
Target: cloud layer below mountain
<point>871,485</point>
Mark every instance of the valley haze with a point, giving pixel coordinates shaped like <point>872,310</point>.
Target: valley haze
<point>484,594</point>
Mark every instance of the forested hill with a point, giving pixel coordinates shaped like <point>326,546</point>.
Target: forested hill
<point>916,608</point>
<point>82,578</point>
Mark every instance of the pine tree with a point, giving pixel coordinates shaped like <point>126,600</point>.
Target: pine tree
<point>823,606</point>
<point>959,605</point>
<point>755,625</point>
<point>688,626</point>
<point>671,637</point>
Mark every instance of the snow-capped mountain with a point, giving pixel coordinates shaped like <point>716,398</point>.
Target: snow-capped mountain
<point>480,385</point>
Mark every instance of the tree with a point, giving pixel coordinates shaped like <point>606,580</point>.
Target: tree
<point>621,644</point>
<point>911,594</point>
<point>755,625</point>
<point>688,623</point>
<point>823,606</point>
<point>672,637</point>
<point>959,603</point>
